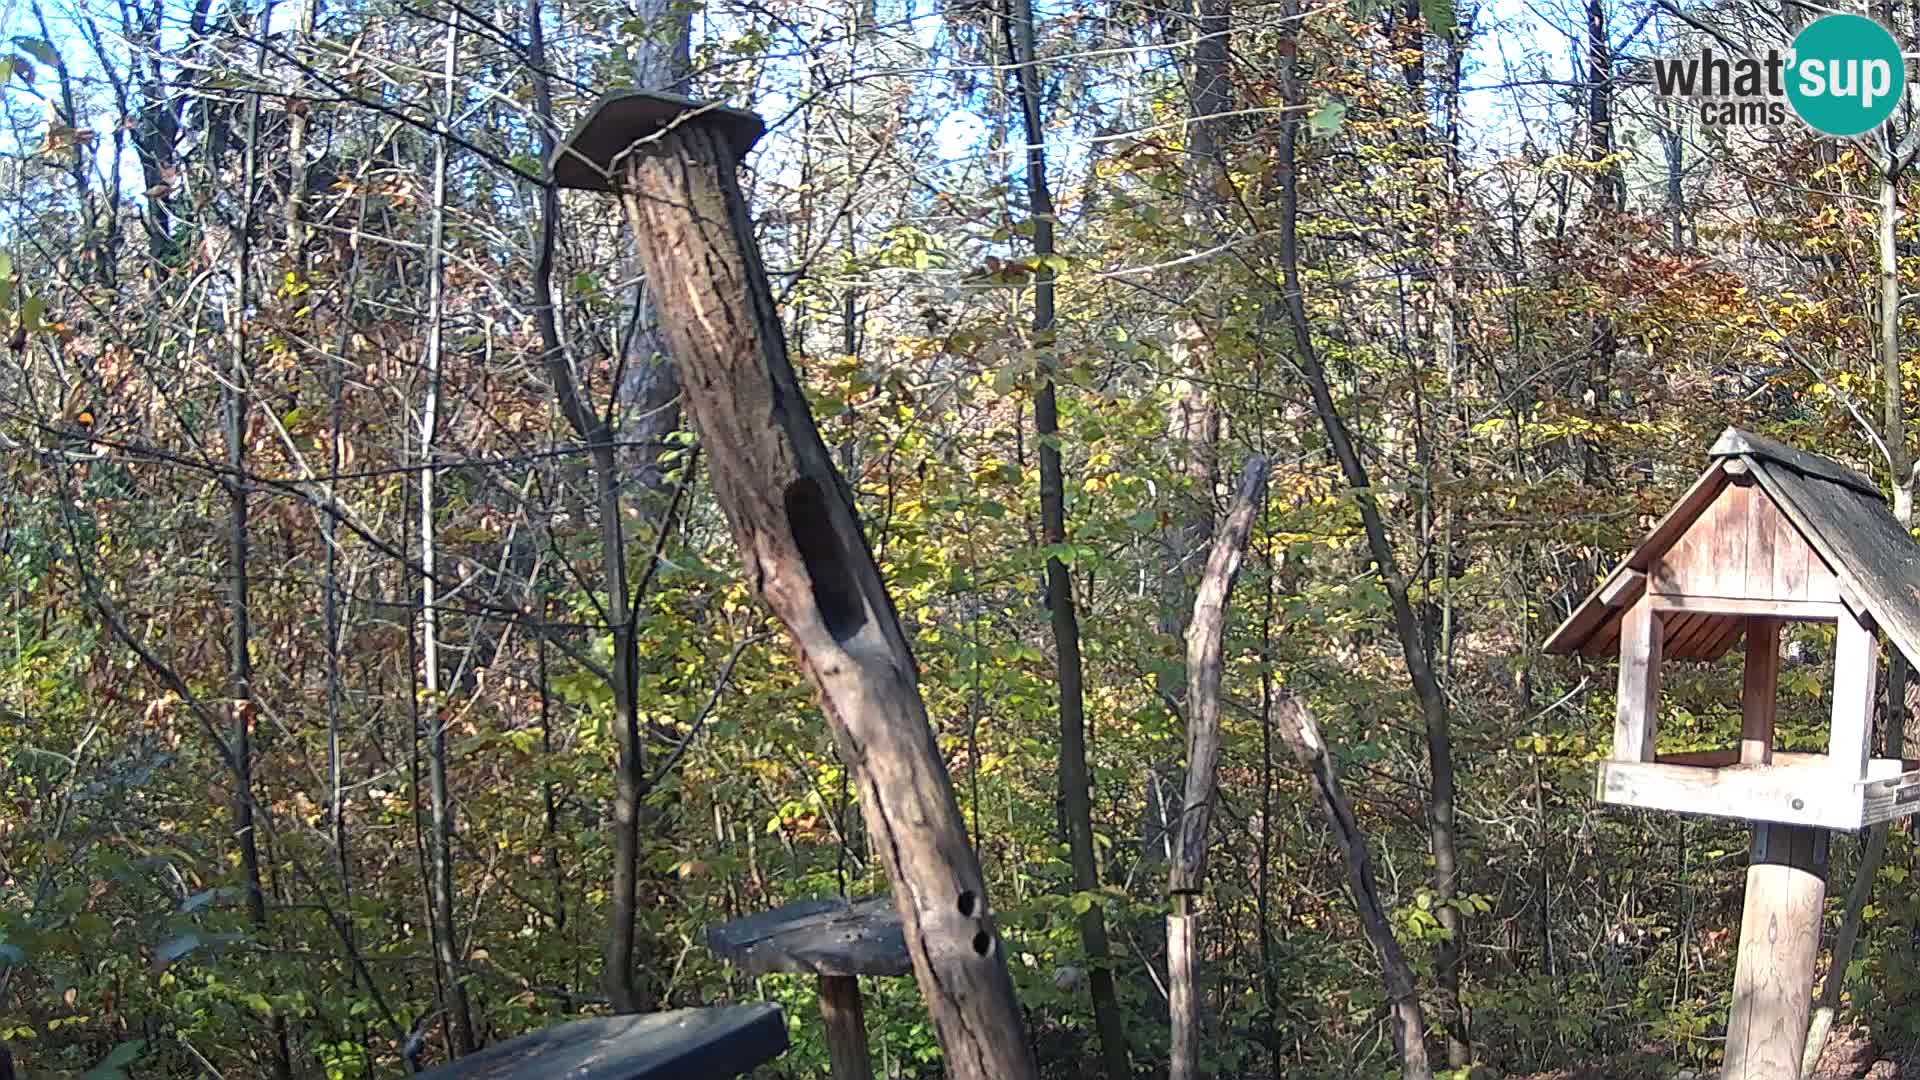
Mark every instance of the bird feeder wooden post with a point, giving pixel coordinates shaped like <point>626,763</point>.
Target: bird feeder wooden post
<point>1768,535</point>
<point>672,162</point>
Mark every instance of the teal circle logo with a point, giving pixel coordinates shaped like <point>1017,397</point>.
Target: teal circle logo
<point>1846,75</point>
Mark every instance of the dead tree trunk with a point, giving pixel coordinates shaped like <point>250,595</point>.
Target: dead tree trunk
<point>1302,735</point>
<point>804,553</point>
<point>1205,637</point>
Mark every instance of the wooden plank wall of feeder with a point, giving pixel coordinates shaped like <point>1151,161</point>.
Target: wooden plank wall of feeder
<point>1742,548</point>
<point>807,559</point>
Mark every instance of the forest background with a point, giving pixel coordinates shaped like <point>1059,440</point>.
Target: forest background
<point>377,681</point>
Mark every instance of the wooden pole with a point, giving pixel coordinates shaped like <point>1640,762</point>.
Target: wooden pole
<point>1206,635</point>
<point>807,559</point>
<point>1779,938</point>
<point>846,1019</point>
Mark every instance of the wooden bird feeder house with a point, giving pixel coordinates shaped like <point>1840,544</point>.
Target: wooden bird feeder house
<point>1768,535</point>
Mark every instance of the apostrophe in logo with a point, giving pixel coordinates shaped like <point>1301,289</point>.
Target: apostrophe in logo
<point>1846,75</point>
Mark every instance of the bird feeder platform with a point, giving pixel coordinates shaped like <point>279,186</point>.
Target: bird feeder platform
<point>684,1044</point>
<point>834,940</point>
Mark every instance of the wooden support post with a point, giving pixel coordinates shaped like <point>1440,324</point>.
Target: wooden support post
<point>806,557</point>
<point>1636,720</point>
<point>1758,690</point>
<point>1856,661</point>
<point>846,1020</point>
<point>1779,938</point>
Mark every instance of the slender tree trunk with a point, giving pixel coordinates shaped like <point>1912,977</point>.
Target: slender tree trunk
<point>1403,997</point>
<point>1442,829</point>
<point>1075,782</point>
<point>1206,635</point>
<point>446,937</point>
<point>620,970</point>
<point>239,604</point>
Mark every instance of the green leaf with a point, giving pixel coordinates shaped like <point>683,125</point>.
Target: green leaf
<point>1439,16</point>
<point>1328,117</point>
<point>39,50</point>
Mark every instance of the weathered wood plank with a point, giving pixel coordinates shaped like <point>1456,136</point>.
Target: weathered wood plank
<point>685,1044</point>
<point>1726,522</point>
<point>1794,796</point>
<point>1804,610</point>
<point>1763,536</point>
<point>1779,939</point>
<point>1796,789</point>
<point>823,937</point>
<point>1637,716</point>
<point>1758,687</point>
<point>1856,660</point>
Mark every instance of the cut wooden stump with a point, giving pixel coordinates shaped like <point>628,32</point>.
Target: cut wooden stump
<point>831,939</point>
<point>685,1044</point>
<point>805,556</point>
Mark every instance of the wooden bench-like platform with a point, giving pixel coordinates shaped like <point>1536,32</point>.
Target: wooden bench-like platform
<point>685,1044</point>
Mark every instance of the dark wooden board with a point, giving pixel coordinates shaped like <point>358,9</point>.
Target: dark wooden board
<point>1736,443</point>
<point>1853,531</point>
<point>685,1044</point>
<point>621,118</point>
<point>821,937</point>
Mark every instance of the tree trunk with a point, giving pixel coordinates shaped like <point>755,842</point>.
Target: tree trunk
<point>807,559</point>
<point>1206,635</point>
<point>1075,781</point>
<point>446,936</point>
<point>1403,998</point>
<point>1441,826</point>
<point>619,967</point>
<point>239,604</point>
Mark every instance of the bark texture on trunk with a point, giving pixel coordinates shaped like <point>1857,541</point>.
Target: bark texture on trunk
<point>807,559</point>
<point>1302,736</point>
<point>1206,635</point>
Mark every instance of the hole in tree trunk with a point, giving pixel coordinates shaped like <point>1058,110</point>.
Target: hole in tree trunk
<point>982,941</point>
<point>966,902</point>
<point>834,591</point>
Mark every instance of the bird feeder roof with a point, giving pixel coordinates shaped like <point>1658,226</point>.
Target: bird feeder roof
<point>624,118</point>
<point>1840,515</point>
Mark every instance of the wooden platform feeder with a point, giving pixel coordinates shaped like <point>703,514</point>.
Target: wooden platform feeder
<point>684,1044</point>
<point>1768,535</point>
<point>836,941</point>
